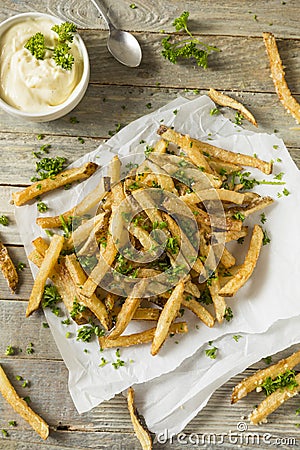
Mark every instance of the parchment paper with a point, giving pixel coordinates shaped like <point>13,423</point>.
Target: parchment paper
<point>271,295</point>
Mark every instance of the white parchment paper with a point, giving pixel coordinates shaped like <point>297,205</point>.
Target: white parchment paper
<point>271,295</point>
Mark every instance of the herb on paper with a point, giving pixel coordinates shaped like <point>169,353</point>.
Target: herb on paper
<point>42,207</point>
<point>4,220</point>
<point>211,352</point>
<point>76,309</point>
<point>36,45</point>
<point>186,48</point>
<point>50,298</point>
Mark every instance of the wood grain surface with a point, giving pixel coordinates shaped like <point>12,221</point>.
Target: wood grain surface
<point>118,95</point>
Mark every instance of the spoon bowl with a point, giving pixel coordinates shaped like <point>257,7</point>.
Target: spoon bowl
<point>124,48</point>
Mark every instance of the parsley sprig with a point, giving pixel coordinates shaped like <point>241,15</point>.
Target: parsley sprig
<point>186,48</point>
<point>61,51</point>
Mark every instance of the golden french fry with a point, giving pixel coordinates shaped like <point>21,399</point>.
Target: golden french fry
<point>278,76</point>
<point>184,141</point>
<point>225,100</point>
<point>161,146</point>
<point>227,259</point>
<point>85,230</point>
<point>142,313</point>
<point>128,309</point>
<point>273,401</point>
<point>86,204</point>
<point>44,273</point>
<point>166,317</point>
<point>248,385</point>
<point>49,184</point>
<point>142,434</point>
<point>21,407</point>
<point>246,269</point>
<point>93,302</point>
<point>194,306</point>
<point>8,268</point>
<point>139,338</point>
<point>224,195</point>
<point>62,280</point>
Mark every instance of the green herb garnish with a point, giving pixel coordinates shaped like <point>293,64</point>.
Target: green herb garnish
<point>186,48</point>
<point>283,380</point>
<point>50,298</point>
<point>61,51</point>
<point>4,220</point>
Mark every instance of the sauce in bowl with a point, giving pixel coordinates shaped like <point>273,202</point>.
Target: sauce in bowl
<point>30,84</point>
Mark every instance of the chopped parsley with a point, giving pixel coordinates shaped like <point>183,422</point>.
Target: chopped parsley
<point>4,220</point>
<point>88,262</point>
<point>10,351</point>
<point>286,192</point>
<point>49,167</point>
<point>133,6</point>
<point>237,337</point>
<point>228,315</point>
<point>116,130</point>
<point>30,349</point>
<point>211,352</point>
<point>188,48</point>
<point>284,380</point>
<point>74,119</point>
<point>149,105</point>
<point>172,245</point>
<point>67,321</point>
<point>80,139</point>
<point>266,238</point>
<point>268,360</point>
<point>42,207</point>
<point>238,118</point>
<point>4,432</point>
<point>263,218</point>
<point>45,325</point>
<point>103,362</point>
<point>27,399</point>
<point>86,332</point>
<point>40,137</point>
<point>214,112</point>
<point>51,297</point>
<point>12,423</point>
<point>21,266</point>
<point>238,216</point>
<point>76,309</point>
<point>117,364</point>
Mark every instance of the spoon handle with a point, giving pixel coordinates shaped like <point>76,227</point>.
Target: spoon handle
<point>103,11</point>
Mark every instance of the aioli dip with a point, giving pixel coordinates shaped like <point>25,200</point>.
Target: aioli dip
<point>30,84</point>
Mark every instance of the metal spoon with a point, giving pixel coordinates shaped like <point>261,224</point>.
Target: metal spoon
<point>122,45</point>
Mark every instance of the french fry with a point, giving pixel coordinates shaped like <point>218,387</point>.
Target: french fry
<point>20,406</point>
<point>199,310</point>
<point>61,278</point>
<point>223,195</point>
<point>184,141</point>
<point>278,76</point>
<point>142,313</point>
<point>139,338</point>
<point>44,273</point>
<point>246,269</point>
<point>86,204</point>
<point>8,268</point>
<point>49,184</point>
<point>85,230</point>
<point>142,434</point>
<point>248,385</point>
<point>273,401</point>
<point>166,317</point>
<point>225,100</point>
<point>93,302</point>
<point>128,309</point>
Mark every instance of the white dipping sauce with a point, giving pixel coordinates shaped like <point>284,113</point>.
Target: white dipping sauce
<point>30,84</point>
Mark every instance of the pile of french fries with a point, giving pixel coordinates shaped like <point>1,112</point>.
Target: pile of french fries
<point>158,241</point>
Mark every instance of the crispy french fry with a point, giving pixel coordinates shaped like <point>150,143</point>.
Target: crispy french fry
<point>184,141</point>
<point>142,434</point>
<point>166,317</point>
<point>161,146</point>
<point>139,338</point>
<point>248,385</point>
<point>61,278</point>
<point>128,309</point>
<point>222,167</point>
<point>142,313</point>
<point>93,302</point>
<point>8,268</point>
<point>86,204</point>
<point>85,230</point>
<point>20,406</point>
<point>49,184</point>
<point>225,100</point>
<point>246,269</point>
<point>194,306</point>
<point>273,401</point>
<point>44,273</point>
<point>227,259</point>
<point>223,195</point>
<point>278,76</point>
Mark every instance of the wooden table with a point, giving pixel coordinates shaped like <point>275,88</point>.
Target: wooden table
<point>117,94</point>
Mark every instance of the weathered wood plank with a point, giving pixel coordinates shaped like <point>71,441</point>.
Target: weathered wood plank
<point>234,18</point>
<point>97,118</point>
<point>113,416</point>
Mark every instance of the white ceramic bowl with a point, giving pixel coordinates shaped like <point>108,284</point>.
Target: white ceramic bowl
<point>77,94</point>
